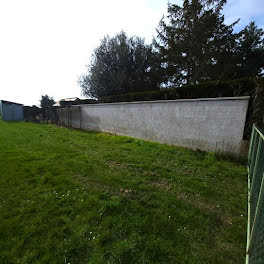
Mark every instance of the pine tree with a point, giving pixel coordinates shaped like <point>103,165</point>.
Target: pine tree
<point>250,52</point>
<point>194,43</point>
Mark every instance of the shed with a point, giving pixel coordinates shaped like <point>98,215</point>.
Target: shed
<point>11,111</point>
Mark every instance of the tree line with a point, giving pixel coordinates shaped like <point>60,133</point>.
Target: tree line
<point>193,45</point>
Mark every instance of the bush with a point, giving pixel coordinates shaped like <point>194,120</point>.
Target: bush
<point>239,87</point>
<point>258,103</point>
<point>255,114</point>
<point>32,113</point>
<point>78,101</point>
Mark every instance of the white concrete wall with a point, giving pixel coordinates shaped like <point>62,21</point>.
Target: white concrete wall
<point>208,124</point>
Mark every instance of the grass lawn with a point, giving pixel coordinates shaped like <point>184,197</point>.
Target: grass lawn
<point>69,196</point>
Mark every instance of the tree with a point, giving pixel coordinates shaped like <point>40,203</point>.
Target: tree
<point>119,65</point>
<point>194,43</point>
<point>250,52</point>
<point>46,101</point>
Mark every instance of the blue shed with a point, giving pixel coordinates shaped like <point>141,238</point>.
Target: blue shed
<point>11,111</point>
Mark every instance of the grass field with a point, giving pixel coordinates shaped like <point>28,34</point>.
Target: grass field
<point>69,196</point>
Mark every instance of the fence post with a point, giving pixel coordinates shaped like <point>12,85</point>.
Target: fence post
<point>61,117</point>
<point>80,111</point>
<point>251,143</point>
<point>68,116</point>
<point>253,154</point>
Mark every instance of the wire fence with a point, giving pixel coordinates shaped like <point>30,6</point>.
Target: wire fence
<point>255,232</point>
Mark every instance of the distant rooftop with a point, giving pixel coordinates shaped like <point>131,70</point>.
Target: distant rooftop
<point>71,99</point>
<point>8,102</point>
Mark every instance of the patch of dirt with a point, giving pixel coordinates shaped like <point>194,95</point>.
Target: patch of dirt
<point>224,246</point>
<point>225,219</point>
<point>88,183</point>
<point>113,164</point>
<point>195,201</point>
<point>161,183</point>
<point>181,195</point>
<point>125,191</point>
<point>202,205</point>
<point>102,186</point>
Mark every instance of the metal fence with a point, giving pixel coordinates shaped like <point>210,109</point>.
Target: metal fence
<point>70,116</point>
<point>255,232</point>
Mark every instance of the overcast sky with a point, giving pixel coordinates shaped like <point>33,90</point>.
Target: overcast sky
<point>45,44</point>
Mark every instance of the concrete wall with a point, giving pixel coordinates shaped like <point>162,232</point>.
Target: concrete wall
<point>11,111</point>
<point>208,124</point>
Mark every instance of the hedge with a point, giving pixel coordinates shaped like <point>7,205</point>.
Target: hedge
<point>31,113</point>
<point>64,103</point>
<point>232,88</point>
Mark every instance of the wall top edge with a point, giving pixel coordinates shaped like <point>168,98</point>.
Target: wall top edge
<point>171,101</point>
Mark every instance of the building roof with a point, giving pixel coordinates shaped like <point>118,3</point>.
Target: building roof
<point>8,102</point>
<point>57,104</point>
<point>71,99</point>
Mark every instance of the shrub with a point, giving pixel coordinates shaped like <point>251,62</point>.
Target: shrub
<point>32,113</point>
<point>78,101</point>
<point>232,88</point>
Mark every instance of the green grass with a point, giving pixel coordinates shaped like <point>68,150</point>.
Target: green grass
<point>69,196</point>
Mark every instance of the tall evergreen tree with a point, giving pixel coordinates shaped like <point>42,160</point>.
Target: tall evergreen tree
<point>194,43</point>
<point>250,52</point>
<point>120,65</point>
